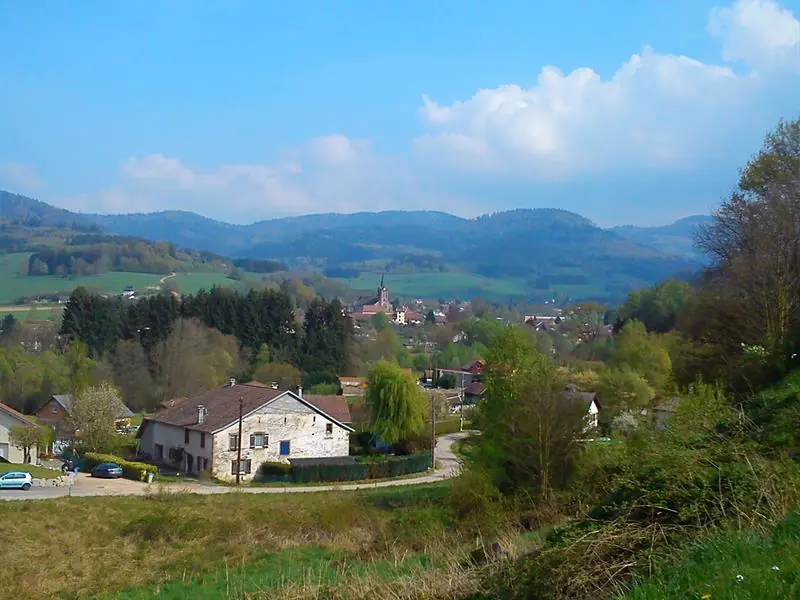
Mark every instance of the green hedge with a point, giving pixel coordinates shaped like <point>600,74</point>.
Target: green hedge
<point>368,468</point>
<point>130,470</point>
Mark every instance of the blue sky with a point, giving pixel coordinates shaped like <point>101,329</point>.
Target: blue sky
<point>626,112</point>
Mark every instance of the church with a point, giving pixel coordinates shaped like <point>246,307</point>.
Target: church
<point>380,303</point>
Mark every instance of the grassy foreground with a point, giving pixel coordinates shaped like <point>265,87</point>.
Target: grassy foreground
<point>738,565</point>
<point>233,545</point>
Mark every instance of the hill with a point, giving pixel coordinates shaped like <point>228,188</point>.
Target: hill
<point>525,253</point>
<point>676,238</point>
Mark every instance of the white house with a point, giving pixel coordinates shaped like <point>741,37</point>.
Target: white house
<point>202,433</point>
<point>8,451</point>
<point>586,404</point>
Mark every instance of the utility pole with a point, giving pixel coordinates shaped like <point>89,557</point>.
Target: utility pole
<point>239,443</point>
<point>433,430</point>
<point>461,398</point>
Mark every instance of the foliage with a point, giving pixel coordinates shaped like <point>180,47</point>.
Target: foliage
<point>327,337</point>
<point>323,389</point>
<point>528,426</point>
<point>396,403</point>
<point>25,437</point>
<point>753,243</point>
<point>379,321</point>
<point>285,375</point>
<point>136,471</point>
<point>622,389</point>
<point>658,308</point>
<point>644,354</point>
<point>369,468</point>
<point>92,417</point>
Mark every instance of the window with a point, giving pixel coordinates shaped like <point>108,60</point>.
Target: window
<point>328,428</point>
<point>259,440</point>
<point>159,449</point>
<point>285,447</point>
<point>185,436</point>
<point>233,442</point>
<point>244,467</point>
<point>55,410</point>
<point>202,440</point>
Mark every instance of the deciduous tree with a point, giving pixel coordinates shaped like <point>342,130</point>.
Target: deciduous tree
<point>396,402</point>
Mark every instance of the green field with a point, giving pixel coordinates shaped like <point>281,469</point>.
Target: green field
<point>113,282</point>
<point>434,285</point>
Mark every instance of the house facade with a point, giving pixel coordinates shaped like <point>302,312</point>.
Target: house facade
<point>202,434</point>
<point>10,418</point>
<point>56,411</point>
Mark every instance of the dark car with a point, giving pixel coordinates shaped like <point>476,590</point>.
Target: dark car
<point>107,470</point>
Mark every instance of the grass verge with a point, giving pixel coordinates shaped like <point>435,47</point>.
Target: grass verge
<point>36,472</point>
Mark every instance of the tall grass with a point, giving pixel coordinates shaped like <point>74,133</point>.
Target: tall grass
<point>79,547</point>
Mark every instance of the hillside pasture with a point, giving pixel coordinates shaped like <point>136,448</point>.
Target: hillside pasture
<point>435,285</point>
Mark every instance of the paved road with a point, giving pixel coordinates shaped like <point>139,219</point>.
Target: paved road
<point>448,466</point>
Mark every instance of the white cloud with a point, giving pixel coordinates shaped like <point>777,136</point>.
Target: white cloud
<point>19,177</point>
<point>659,114</point>
<point>657,111</point>
<point>757,32</point>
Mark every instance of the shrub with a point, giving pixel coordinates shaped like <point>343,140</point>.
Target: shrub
<point>273,471</point>
<point>136,471</point>
<point>376,467</point>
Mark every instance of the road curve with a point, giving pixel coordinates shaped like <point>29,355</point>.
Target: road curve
<point>448,465</point>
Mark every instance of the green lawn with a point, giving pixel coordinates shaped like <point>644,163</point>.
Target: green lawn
<point>738,565</point>
<point>36,472</point>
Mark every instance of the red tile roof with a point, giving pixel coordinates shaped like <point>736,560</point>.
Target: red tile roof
<point>222,406</point>
<point>335,406</point>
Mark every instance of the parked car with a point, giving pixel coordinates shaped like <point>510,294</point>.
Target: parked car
<point>16,480</point>
<point>107,470</point>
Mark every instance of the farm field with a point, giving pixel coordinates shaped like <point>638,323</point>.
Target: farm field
<point>113,282</point>
<point>463,285</point>
<point>434,285</point>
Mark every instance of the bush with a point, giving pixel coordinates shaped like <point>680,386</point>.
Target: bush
<point>377,467</point>
<point>273,471</point>
<point>136,471</point>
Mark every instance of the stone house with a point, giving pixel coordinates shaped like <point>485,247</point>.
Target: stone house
<point>201,434</point>
<point>8,451</point>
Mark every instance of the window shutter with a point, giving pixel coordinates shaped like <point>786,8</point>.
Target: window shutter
<point>252,441</point>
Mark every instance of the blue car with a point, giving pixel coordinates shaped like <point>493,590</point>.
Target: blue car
<point>16,480</point>
<point>107,471</point>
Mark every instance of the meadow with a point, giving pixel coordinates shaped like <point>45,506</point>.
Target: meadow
<point>112,282</point>
<point>435,285</point>
<point>234,546</point>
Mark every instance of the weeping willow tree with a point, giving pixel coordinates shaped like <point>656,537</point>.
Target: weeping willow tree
<point>396,403</point>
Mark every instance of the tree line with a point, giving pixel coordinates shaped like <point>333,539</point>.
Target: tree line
<point>220,333</point>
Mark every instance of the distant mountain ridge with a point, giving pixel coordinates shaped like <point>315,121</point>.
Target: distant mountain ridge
<point>541,249</point>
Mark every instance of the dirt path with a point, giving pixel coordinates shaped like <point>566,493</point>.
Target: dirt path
<point>163,279</point>
<point>30,308</point>
<point>448,466</point>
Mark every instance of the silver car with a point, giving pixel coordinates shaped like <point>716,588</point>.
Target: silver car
<point>16,480</point>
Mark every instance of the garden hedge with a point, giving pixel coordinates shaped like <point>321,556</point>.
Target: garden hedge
<point>130,470</point>
<point>368,468</point>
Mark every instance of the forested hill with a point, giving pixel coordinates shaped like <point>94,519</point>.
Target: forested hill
<point>533,251</point>
<point>60,242</point>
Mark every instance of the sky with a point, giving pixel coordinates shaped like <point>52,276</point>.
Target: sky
<point>627,112</point>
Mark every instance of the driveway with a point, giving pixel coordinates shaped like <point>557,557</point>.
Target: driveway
<point>85,485</point>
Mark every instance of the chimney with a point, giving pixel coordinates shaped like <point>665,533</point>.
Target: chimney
<point>201,414</point>
<point>274,385</point>
<point>300,391</point>
<point>232,382</point>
